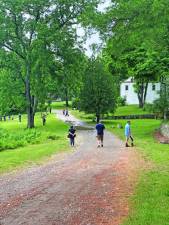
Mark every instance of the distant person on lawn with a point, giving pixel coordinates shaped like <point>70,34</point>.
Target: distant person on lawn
<point>100,133</point>
<point>43,119</point>
<point>128,134</point>
<point>72,136</point>
<point>20,117</point>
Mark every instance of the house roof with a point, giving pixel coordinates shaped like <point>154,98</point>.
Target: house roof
<point>131,80</point>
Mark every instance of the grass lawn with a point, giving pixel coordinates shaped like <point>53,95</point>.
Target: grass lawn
<point>52,139</point>
<point>150,203</point>
<point>120,111</point>
<point>59,105</point>
<point>130,110</point>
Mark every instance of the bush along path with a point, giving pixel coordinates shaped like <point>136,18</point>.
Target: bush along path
<point>91,186</point>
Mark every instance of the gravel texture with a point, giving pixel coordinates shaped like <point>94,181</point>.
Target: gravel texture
<point>90,186</point>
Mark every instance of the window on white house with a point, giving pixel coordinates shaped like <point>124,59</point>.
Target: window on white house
<point>126,87</point>
<point>153,87</point>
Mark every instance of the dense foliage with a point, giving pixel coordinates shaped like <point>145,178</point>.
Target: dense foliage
<point>136,36</point>
<point>35,37</point>
<point>98,94</point>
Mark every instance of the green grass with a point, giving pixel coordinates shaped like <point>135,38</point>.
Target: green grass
<point>130,110</point>
<point>83,116</point>
<point>150,203</point>
<point>59,105</point>
<point>120,111</point>
<point>33,153</point>
<point>143,131</point>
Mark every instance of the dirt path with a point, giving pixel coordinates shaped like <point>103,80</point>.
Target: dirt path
<point>89,187</point>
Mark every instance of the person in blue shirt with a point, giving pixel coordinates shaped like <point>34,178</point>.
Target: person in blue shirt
<point>128,134</point>
<point>100,133</point>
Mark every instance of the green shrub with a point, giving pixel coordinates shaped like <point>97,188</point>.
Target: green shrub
<point>53,137</point>
<point>14,140</point>
<point>75,103</point>
<point>121,101</point>
<point>148,108</point>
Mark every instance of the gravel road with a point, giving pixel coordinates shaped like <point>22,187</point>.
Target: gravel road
<point>90,186</point>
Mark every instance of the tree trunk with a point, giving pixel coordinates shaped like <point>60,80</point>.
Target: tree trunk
<point>30,109</point>
<point>30,122</point>
<point>140,99</point>
<point>145,93</point>
<point>142,94</point>
<point>165,115</point>
<point>66,97</point>
<point>97,118</point>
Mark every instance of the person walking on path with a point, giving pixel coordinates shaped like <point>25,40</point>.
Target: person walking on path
<point>20,117</point>
<point>100,133</point>
<point>72,136</point>
<point>66,112</point>
<point>128,134</point>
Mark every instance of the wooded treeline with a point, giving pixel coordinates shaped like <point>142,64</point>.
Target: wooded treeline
<point>42,57</point>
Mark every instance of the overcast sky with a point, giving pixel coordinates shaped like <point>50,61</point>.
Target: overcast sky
<point>94,38</point>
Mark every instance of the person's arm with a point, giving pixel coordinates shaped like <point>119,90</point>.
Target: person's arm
<point>71,133</point>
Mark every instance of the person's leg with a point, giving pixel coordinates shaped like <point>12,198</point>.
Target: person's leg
<point>71,141</point>
<point>102,140</point>
<point>132,140</point>
<point>127,139</point>
<point>98,141</point>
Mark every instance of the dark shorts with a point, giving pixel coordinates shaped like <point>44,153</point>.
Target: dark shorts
<point>100,137</point>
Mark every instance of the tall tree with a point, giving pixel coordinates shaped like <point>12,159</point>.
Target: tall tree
<point>29,26</point>
<point>126,26</point>
<point>74,63</point>
<point>142,66</point>
<point>98,93</point>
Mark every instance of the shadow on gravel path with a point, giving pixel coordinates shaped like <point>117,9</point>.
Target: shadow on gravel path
<point>91,186</point>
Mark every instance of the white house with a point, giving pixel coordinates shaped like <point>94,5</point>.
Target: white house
<point>127,91</point>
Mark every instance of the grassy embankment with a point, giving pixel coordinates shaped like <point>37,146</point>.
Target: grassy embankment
<point>20,147</point>
<point>150,203</point>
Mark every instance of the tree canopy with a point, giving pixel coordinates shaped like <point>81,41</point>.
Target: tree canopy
<point>98,94</point>
<point>33,35</point>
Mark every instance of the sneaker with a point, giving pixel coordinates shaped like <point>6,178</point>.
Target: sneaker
<point>102,145</point>
<point>127,145</point>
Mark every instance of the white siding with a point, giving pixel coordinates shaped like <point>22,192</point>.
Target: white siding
<point>131,96</point>
<point>152,94</point>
